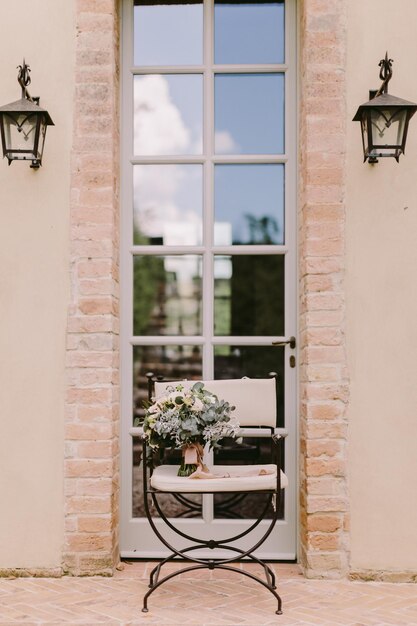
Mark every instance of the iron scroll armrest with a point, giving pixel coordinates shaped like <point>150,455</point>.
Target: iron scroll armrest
<point>278,444</point>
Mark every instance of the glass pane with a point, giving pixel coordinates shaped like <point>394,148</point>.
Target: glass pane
<point>20,133</point>
<point>249,295</point>
<point>167,204</point>
<point>252,361</point>
<point>171,362</point>
<point>249,32</point>
<point>387,127</point>
<point>168,114</point>
<point>168,33</point>
<point>249,204</point>
<point>249,113</point>
<point>167,295</point>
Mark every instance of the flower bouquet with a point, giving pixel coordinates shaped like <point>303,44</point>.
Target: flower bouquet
<point>188,419</point>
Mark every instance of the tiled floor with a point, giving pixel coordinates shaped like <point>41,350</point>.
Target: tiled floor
<point>207,599</point>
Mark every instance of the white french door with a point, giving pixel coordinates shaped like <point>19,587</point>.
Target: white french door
<point>208,250</point>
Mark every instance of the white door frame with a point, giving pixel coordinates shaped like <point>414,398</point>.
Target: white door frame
<point>136,537</point>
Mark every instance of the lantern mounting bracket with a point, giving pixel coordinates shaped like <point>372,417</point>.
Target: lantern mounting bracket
<point>385,74</point>
<point>24,79</point>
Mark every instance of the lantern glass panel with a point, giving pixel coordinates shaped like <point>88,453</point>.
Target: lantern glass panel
<point>364,128</point>
<point>20,134</point>
<point>388,127</point>
<point>41,141</point>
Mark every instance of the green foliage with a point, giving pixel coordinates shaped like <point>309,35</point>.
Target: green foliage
<point>148,277</point>
<point>262,229</point>
<point>182,417</point>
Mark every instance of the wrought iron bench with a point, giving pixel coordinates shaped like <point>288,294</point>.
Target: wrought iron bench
<point>255,402</point>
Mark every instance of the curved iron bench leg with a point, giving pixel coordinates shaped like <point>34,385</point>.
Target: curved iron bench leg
<point>211,566</point>
<point>154,575</point>
<point>164,580</point>
<point>201,563</point>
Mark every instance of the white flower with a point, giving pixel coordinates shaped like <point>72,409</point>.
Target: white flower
<point>172,396</point>
<point>198,405</point>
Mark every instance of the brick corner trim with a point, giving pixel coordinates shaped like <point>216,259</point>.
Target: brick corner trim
<point>324,389</point>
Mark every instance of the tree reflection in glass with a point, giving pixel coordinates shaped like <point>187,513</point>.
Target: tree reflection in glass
<point>249,204</point>
<point>249,295</point>
<point>167,295</point>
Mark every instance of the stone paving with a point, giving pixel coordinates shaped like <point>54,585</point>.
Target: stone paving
<point>208,599</point>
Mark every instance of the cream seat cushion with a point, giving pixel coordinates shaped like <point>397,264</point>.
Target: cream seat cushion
<point>164,478</point>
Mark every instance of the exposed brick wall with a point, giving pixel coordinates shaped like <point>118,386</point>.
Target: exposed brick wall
<point>92,401</point>
<point>91,464</point>
<point>323,376</point>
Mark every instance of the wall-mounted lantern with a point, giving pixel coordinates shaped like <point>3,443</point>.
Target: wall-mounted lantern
<point>23,125</point>
<point>384,119</point>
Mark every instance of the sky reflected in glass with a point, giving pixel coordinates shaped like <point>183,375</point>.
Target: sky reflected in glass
<point>168,34</point>
<point>168,114</point>
<point>168,204</point>
<point>249,204</point>
<point>249,113</point>
<point>249,32</point>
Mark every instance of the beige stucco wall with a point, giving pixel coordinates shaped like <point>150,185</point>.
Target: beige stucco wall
<point>34,290</point>
<point>381,297</point>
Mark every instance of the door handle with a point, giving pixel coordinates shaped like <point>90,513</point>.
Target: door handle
<point>291,341</point>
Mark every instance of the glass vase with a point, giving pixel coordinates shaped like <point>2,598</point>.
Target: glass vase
<point>186,469</point>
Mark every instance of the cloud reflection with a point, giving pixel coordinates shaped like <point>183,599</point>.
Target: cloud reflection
<point>168,121</point>
<point>158,124</point>
<point>225,143</point>
<point>168,203</point>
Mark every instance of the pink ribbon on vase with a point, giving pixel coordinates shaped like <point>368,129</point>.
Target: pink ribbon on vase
<point>193,454</point>
<point>204,472</point>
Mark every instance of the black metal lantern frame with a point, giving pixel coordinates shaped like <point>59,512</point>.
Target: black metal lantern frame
<point>384,120</point>
<point>23,125</point>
